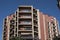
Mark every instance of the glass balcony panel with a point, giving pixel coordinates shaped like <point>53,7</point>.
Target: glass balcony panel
<point>25,28</point>
<point>25,10</point>
<point>25,17</point>
<point>25,22</point>
<point>25,33</point>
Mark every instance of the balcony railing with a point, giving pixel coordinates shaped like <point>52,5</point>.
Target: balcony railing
<point>25,23</point>
<point>25,17</point>
<point>35,25</point>
<point>25,28</point>
<point>25,10</point>
<point>35,14</point>
<point>26,36</point>
<point>25,33</point>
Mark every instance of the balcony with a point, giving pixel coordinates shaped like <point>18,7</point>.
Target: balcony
<point>21,26</point>
<point>12,32</point>
<point>26,33</point>
<point>12,22</point>
<point>35,19</point>
<point>25,11</point>
<point>11,27</point>
<point>5,26</point>
<point>35,35</point>
<point>11,36</point>
<point>25,29</point>
<point>4,38</point>
<point>35,25</point>
<point>25,23</point>
<point>4,35</point>
<point>27,36</point>
<point>25,17</point>
<point>36,30</point>
<point>35,14</point>
<point>5,29</point>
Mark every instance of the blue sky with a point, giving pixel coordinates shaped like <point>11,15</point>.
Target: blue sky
<point>46,6</point>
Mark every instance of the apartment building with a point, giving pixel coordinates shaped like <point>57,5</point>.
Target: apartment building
<point>48,27</point>
<point>30,24</point>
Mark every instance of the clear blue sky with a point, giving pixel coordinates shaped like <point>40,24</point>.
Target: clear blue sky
<point>46,6</point>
